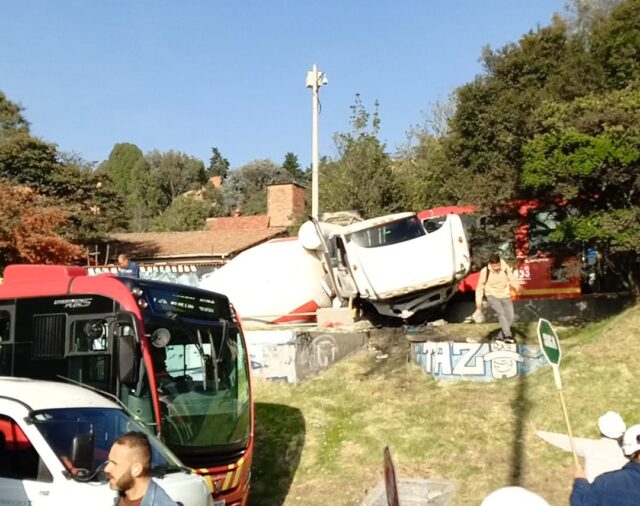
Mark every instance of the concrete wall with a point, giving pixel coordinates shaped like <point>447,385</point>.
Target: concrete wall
<point>476,361</point>
<point>294,355</point>
<point>587,307</point>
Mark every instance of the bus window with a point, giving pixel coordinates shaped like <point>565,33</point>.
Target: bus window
<point>5,347</point>
<point>93,370</point>
<point>88,335</point>
<point>5,325</point>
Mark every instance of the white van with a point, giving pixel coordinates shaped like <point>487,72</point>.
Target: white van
<point>54,438</point>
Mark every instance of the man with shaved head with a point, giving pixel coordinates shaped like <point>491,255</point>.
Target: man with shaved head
<point>129,468</point>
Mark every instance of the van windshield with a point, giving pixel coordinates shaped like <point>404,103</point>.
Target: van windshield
<point>82,437</point>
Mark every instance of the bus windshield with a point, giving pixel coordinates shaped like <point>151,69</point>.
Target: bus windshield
<point>201,369</point>
<point>203,384</point>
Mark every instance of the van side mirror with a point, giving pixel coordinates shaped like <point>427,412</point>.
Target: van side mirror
<point>82,451</point>
<point>126,356</point>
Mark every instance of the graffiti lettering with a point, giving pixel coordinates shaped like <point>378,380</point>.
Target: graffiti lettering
<point>478,361</point>
<point>469,362</point>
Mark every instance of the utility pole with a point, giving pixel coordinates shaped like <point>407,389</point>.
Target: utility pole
<point>315,79</point>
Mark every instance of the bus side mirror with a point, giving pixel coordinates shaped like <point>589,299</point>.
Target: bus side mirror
<point>82,451</point>
<point>126,357</point>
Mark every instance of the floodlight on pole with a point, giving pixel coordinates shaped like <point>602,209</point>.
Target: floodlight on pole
<point>315,79</point>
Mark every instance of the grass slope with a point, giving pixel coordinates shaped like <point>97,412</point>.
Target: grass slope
<point>321,442</point>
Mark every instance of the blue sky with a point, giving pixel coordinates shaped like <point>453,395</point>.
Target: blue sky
<point>191,74</point>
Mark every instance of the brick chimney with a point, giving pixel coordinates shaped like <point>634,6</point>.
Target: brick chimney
<point>285,203</point>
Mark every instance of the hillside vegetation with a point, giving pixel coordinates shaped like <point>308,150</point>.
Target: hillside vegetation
<point>321,442</point>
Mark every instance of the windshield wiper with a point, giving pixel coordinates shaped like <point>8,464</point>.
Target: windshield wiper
<point>207,360</point>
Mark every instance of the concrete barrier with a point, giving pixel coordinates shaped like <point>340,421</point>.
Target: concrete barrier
<point>449,360</point>
<point>587,307</point>
<point>293,355</point>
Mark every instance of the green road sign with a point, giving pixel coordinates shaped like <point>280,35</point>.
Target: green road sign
<point>549,342</point>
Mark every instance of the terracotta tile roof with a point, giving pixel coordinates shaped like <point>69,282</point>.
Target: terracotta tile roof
<point>205,244</point>
<point>255,222</point>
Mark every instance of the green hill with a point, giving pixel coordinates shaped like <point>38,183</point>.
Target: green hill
<point>321,442</point>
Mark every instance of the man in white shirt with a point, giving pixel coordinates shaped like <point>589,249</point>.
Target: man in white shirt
<point>600,455</point>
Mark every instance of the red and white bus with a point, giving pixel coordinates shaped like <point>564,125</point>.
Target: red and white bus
<point>544,273</point>
<point>174,356</point>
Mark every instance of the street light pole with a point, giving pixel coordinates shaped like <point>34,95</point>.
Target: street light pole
<point>315,79</point>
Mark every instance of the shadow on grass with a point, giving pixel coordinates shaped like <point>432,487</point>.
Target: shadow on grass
<point>521,406</point>
<point>280,435</point>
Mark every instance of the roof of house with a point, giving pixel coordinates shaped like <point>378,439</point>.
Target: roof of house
<point>201,244</point>
<point>255,222</point>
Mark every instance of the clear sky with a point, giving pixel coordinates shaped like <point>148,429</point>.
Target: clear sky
<point>191,74</point>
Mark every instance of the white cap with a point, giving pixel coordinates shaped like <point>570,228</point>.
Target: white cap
<point>631,440</point>
<point>508,496</point>
<point>611,425</point>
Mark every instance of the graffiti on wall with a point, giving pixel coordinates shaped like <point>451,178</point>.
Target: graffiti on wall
<point>477,361</point>
<point>294,355</point>
<point>272,354</point>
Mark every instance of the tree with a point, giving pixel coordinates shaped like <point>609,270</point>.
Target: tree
<point>215,198</point>
<point>218,165</point>
<point>582,15</point>
<point>361,179</point>
<point>185,213</point>
<point>65,180</point>
<point>587,156</point>
<point>28,229</point>
<point>421,163</point>
<point>292,167</point>
<point>11,119</point>
<point>420,174</point>
<point>93,206</point>
<point>494,115</point>
<point>28,161</point>
<point>615,44</point>
<point>145,200</point>
<point>176,173</point>
<point>246,187</point>
<point>119,166</point>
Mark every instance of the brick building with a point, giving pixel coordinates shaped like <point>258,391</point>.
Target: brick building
<point>201,251</point>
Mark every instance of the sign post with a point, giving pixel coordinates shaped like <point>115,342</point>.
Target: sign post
<point>390,480</point>
<point>550,346</point>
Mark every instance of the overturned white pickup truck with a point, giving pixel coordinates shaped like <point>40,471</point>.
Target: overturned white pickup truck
<point>391,262</point>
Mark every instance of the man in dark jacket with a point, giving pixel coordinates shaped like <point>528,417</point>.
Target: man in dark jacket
<point>617,488</point>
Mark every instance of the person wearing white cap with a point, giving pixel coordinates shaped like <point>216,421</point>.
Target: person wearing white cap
<point>600,455</point>
<point>510,496</point>
<point>617,488</point>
